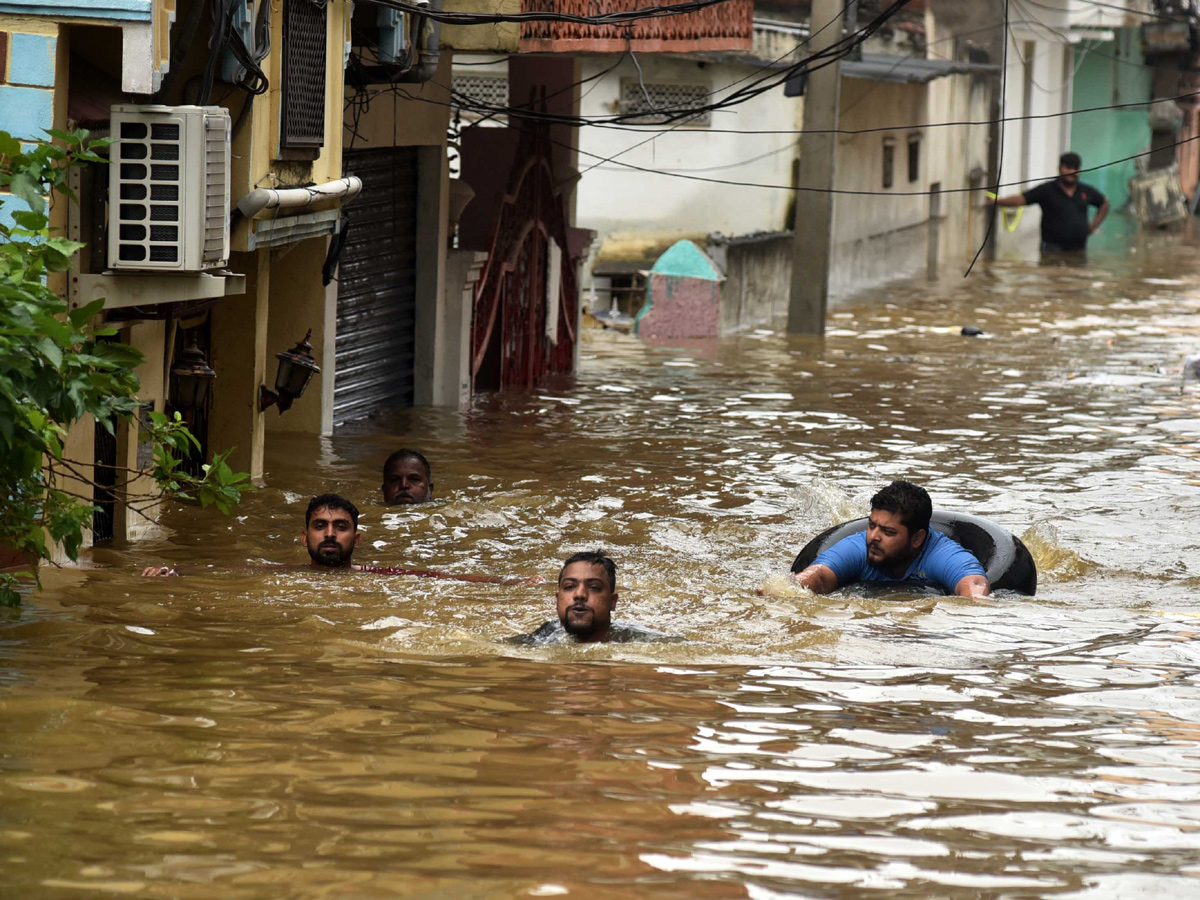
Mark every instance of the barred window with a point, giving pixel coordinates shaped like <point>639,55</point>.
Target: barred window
<point>669,97</point>
<point>489,90</point>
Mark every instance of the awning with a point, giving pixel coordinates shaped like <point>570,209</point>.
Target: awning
<point>909,69</point>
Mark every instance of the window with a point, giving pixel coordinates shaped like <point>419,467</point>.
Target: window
<point>914,158</point>
<point>889,162</point>
<point>487,90</point>
<point>670,97</point>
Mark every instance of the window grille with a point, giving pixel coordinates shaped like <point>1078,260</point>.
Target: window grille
<point>488,90</point>
<point>889,162</point>
<point>914,158</point>
<point>303,82</point>
<point>668,97</point>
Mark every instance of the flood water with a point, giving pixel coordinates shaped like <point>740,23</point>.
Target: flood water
<point>242,734</point>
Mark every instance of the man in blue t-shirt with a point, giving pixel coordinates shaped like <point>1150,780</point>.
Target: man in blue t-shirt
<point>898,547</point>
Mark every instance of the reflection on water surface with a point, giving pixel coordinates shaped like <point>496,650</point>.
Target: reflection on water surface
<point>282,734</point>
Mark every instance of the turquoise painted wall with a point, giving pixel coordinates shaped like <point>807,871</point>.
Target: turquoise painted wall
<point>27,99</point>
<point>1109,73</point>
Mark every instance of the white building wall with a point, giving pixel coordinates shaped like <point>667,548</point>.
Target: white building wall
<point>1038,82</point>
<point>619,202</point>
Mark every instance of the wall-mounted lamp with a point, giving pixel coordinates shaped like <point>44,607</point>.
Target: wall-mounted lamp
<point>190,379</point>
<point>296,369</point>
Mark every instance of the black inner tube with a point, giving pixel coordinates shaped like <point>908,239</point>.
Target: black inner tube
<point>1006,561</point>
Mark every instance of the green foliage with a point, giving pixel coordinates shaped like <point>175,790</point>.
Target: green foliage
<point>57,368</point>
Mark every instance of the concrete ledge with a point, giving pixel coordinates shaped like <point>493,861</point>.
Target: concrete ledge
<point>121,291</point>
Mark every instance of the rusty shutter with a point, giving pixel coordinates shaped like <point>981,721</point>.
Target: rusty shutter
<point>376,309</point>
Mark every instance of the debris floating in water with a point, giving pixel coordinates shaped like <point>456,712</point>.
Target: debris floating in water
<point>972,331</point>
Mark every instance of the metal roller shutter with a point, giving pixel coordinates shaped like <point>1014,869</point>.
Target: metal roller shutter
<point>376,310</point>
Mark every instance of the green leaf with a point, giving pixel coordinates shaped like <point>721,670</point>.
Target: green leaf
<point>84,314</point>
<point>30,221</point>
<point>23,185</point>
<point>9,145</point>
<point>51,351</point>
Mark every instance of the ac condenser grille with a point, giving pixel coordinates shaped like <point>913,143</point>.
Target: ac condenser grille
<point>138,180</point>
<point>304,49</point>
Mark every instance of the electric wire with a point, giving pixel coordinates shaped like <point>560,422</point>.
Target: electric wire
<point>991,226</point>
<point>866,193</point>
<point>618,17</point>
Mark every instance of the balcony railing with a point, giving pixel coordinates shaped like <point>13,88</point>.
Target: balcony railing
<point>723,26</point>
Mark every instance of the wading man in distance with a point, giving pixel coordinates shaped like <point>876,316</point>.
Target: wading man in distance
<point>898,547</point>
<point>1064,202</point>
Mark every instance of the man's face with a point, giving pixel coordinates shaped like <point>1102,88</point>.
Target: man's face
<point>585,601</point>
<point>889,545</point>
<point>331,537</point>
<point>1068,175</point>
<point>405,481</point>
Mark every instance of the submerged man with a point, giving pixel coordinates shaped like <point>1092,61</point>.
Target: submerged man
<point>407,478</point>
<point>331,536</point>
<point>1064,203</point>
<point>898,547</point>
<point>586,597</point>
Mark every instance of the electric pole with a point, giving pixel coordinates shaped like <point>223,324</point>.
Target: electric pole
<point>814,201</point>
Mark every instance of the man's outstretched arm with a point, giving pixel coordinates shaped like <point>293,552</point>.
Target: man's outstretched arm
<point>818,579</point>
<point>1010,200</point>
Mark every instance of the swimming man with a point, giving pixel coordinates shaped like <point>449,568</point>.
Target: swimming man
<point>898,547</point>
<point>407,478</point>
<point>586,596</point>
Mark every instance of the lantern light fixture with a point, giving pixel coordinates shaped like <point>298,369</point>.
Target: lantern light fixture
<point>296,369</point>
<point>191,377</point>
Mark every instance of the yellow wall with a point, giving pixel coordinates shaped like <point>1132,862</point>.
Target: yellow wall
<point>298,301</point>
<point>391,120</point>
<point>503,37</point>
<point>256,151</point>
<point>151,339</point>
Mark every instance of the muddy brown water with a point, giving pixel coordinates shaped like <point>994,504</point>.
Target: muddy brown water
<point>236,734</point>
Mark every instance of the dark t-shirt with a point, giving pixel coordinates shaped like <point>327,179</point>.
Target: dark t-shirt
<point>1065,219</point>
<point>552,632</point>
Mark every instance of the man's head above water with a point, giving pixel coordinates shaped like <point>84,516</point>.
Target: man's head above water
<point>898,526</point>
<point>587,596</point>
<point>330,530</point>
<point>407,478</point>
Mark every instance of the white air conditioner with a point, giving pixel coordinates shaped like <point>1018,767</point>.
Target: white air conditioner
<point>168,208</point>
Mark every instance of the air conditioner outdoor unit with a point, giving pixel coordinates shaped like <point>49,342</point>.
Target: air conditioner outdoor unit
<point>168,180</point>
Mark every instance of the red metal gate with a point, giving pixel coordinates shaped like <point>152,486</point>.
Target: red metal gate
<point>510,346</point>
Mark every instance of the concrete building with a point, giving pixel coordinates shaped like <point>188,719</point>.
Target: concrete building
<point>69,65</point>
<point>644,188</point>
<point>1065,55</point>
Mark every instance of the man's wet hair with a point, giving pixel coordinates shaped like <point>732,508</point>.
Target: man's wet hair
<point>907,500</point>
<point>1071,160</point>
<point>331,501</point>
<point>596,558</point>
<point>409,454</point>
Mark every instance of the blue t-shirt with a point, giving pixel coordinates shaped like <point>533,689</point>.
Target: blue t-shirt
<point>943,562</point>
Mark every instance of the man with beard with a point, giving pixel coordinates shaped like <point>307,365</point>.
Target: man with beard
<point>586,596</point>
<point>331,536</point>
<point>898,547</point>
<point>407,478</point>
<point>1064,203</point>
